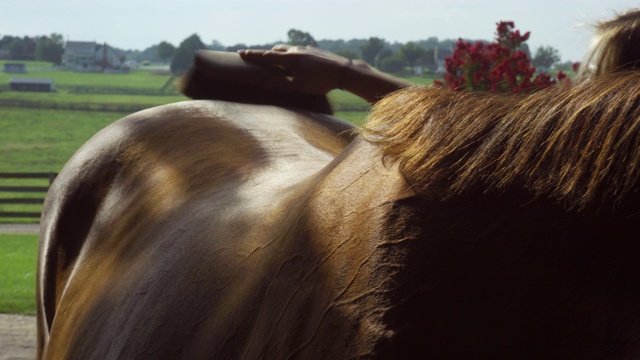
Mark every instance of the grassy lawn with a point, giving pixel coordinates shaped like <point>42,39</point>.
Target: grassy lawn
<point>43,140</point>
<point>18,255</point>
<point>34,140</point>
<point>28,63</point>
<point>134,79</point>
<point>354,117</point>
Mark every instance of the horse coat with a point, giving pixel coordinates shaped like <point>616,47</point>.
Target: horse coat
<point>208,229</point>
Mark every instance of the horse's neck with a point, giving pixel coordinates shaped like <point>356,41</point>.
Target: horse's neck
<point>490,271</point>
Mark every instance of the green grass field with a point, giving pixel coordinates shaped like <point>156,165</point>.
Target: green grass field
<point>134,79</point>
<point>34,140</point>
<point>42,140</point>
<point>18,255</point>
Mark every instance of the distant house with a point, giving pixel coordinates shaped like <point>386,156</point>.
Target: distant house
<point>15,68</point>
<point>88,56</point>
<point>31,84</point>
<point>79,56</point>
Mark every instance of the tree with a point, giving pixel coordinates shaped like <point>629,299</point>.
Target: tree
<point>165,51</point>
<point>383,54</point>
<point>545,57</point>
<point>237,47</point>
<point>393,64</point>
<point>411,52</point>
<point>19,48</point>
<point>5,41</point>
<point>428,59</point>
<point>347,53</point>
<point>217,45</point>
<point>50,49</point>
<point>371,49</point>
<point>183,57</point>
<point>300,38</point>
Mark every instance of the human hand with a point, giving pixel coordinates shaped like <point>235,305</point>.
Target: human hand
<point>304,69</point>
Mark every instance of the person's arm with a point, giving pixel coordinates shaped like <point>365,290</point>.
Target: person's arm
<point>369,83</point>
<point>314,71</point>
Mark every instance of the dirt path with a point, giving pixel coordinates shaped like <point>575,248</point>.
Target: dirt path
<point>17,337</point>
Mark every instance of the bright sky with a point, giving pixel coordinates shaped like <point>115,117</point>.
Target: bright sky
<point>138,24</point>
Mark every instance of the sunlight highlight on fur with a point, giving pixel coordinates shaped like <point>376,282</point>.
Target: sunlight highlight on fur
<point>577,145</point>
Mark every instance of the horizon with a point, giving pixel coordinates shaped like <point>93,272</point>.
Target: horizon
<point>565,25</point>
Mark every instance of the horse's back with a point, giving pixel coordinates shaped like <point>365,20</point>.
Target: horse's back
<point>151,225</point>
<point>180,233</point>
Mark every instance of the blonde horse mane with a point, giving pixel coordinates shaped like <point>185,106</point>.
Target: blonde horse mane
<point>576,144</point>
<point>615,46</point>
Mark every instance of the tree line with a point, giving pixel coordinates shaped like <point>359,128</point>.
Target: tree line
<point>42,48</point>
<point>388,57</point>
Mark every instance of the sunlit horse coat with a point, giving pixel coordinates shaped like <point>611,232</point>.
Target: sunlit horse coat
<point>456,226</point>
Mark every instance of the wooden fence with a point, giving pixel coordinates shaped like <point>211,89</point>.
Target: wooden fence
<point>20,191</point>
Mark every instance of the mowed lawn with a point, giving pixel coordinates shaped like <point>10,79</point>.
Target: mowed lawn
<point>18,256</point>
<point>42,140</point>
<point>135,79</point>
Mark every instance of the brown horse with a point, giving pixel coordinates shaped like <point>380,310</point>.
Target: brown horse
<point>454,226</point>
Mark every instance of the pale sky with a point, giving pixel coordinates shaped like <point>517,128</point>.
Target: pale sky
<point>138,24</point>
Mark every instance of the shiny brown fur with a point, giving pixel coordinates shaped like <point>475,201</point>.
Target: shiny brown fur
<point>208,230</point>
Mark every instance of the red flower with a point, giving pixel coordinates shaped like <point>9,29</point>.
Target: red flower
<point>576,66</point>
<point>497,66</point>
<point>561,76</point>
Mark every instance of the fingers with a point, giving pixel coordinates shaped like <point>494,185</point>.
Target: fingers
<point>290,48</point>
<point>276,54</point>
<point>258,56</point>
<point>251,53</point>
<point>281,57</point>
<point>277,49</point>
<point>281,47</point>
<point>255,54</point>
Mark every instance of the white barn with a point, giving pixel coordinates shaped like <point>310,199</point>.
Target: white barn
<point>88,56</point>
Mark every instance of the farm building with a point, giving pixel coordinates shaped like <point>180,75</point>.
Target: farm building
<point>31,84</point>
<point>15,68</point>
<point>88,56</point>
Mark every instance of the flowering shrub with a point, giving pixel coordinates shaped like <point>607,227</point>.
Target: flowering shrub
<point>499,66</point>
